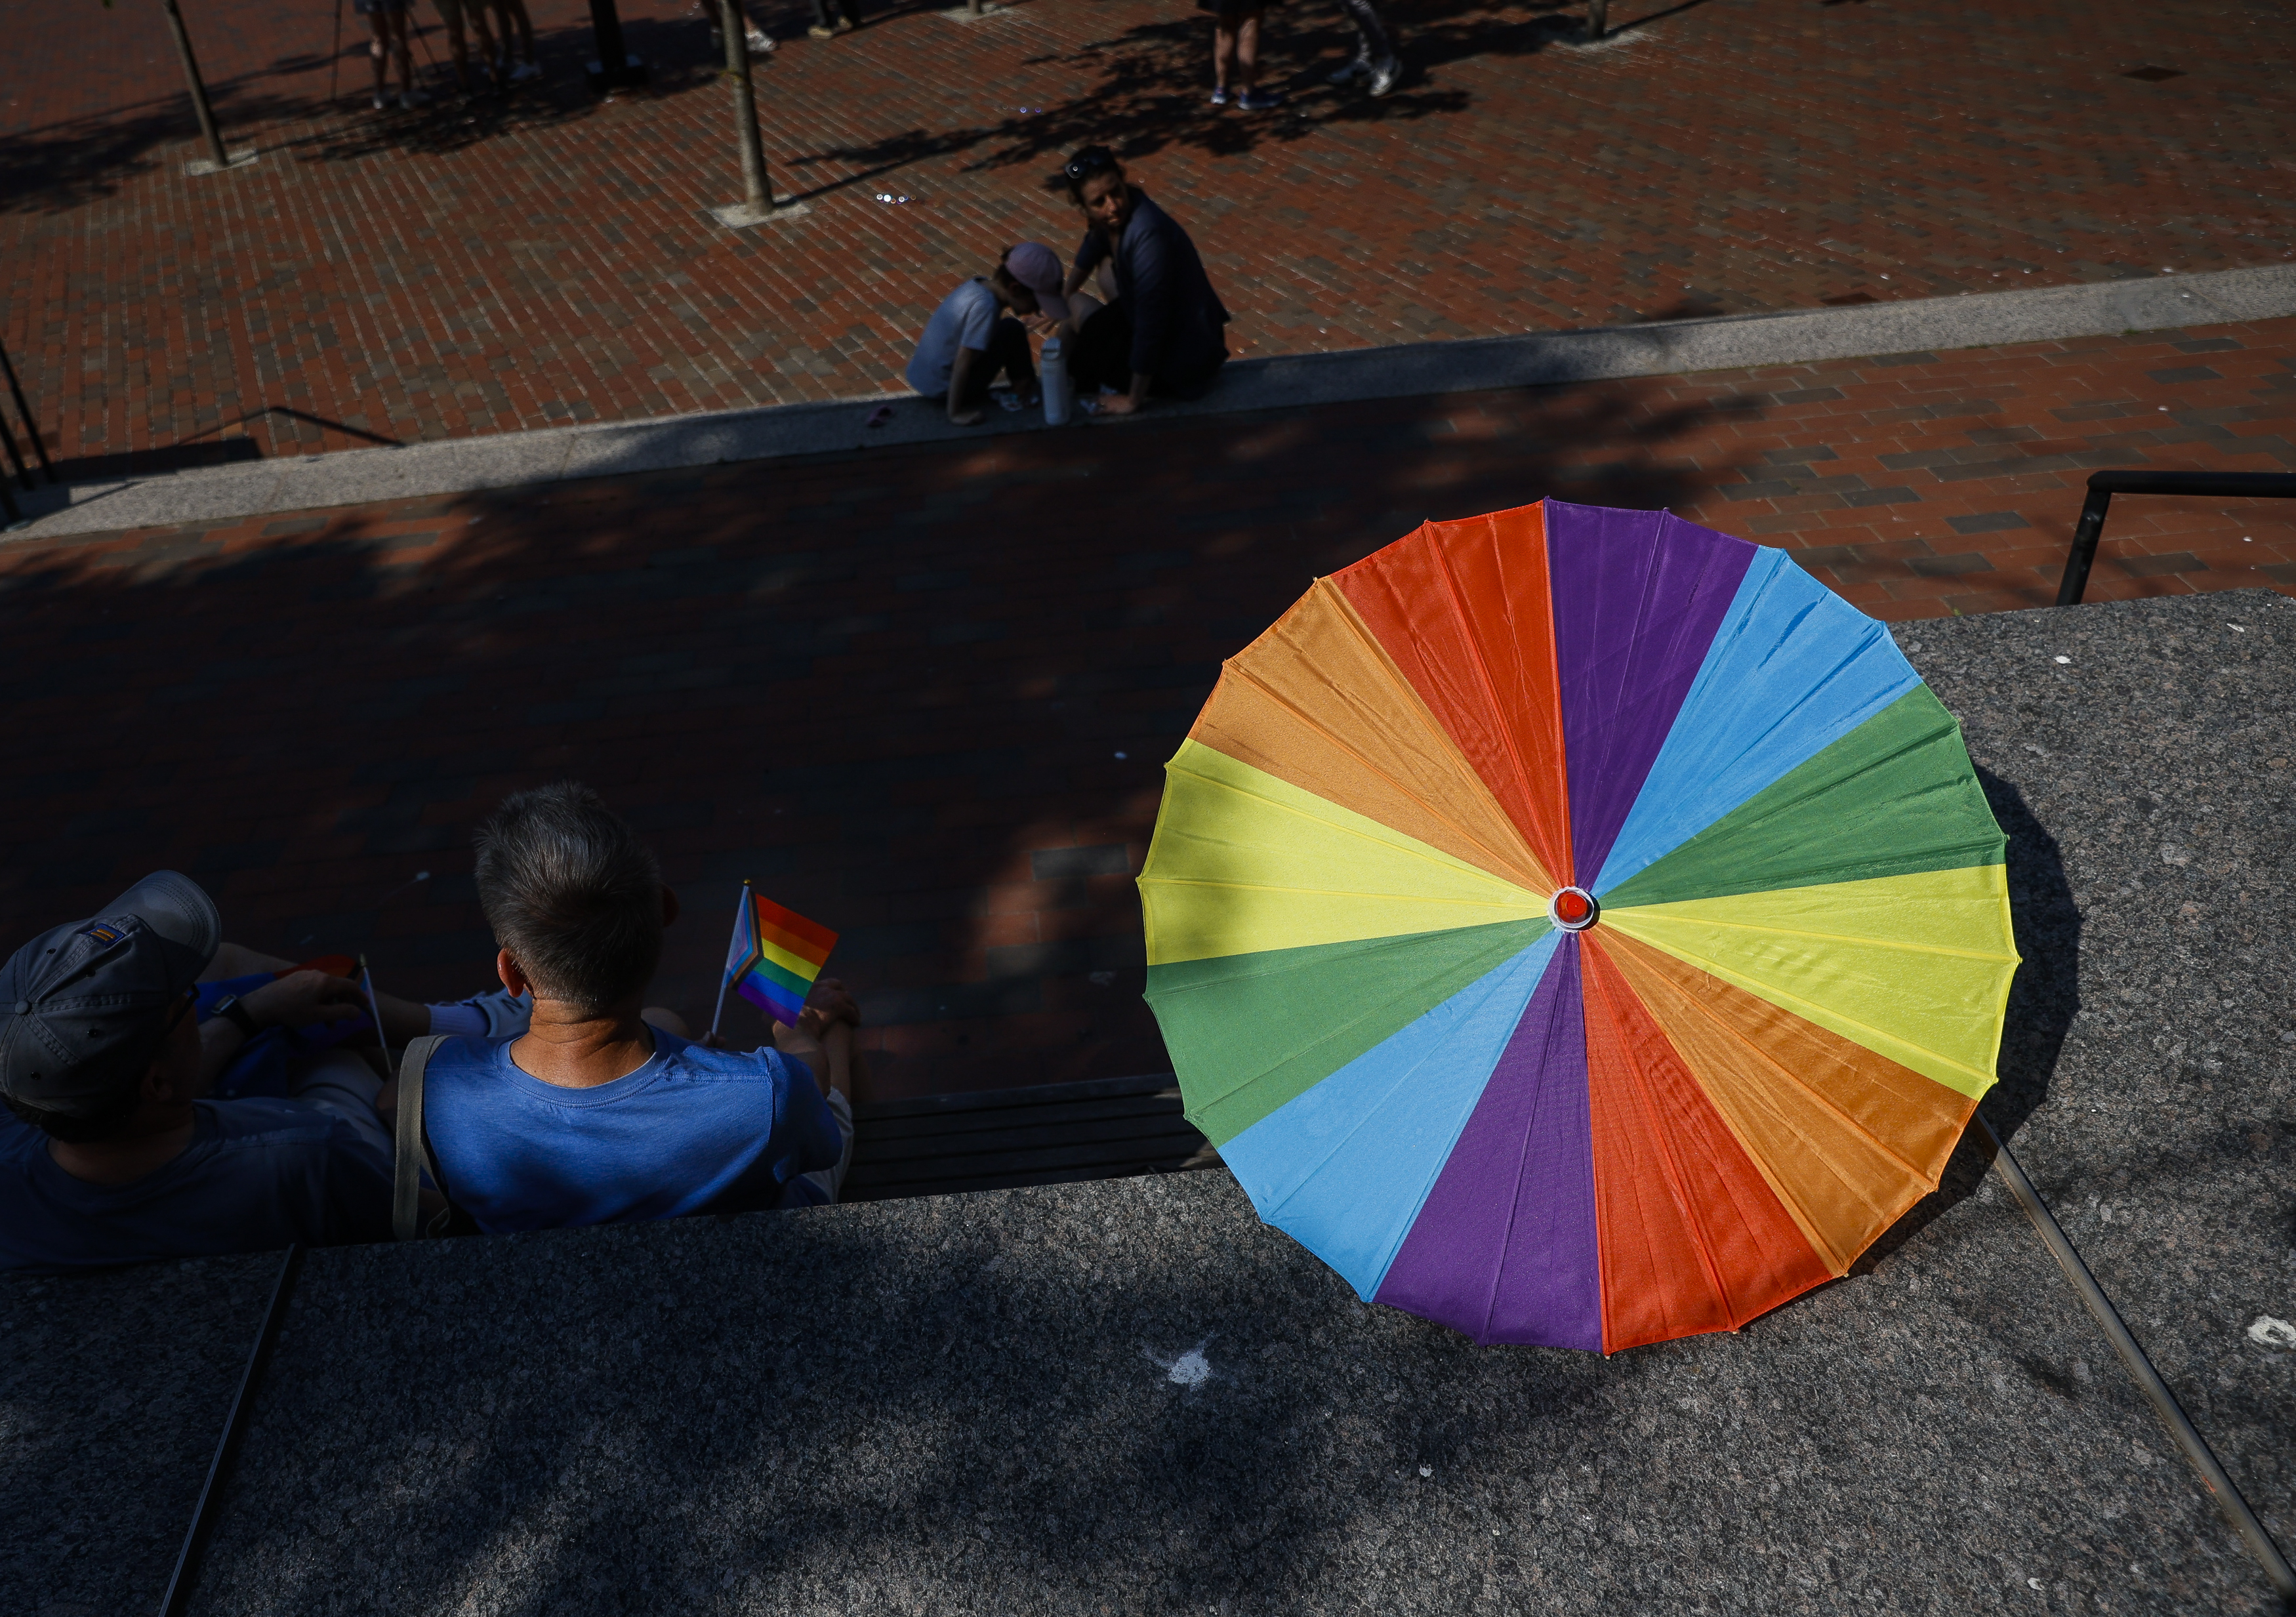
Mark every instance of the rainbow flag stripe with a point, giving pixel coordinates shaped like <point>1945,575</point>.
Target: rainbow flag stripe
<point>776,957</point>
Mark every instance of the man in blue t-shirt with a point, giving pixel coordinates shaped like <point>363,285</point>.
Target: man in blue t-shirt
<point>596,1115</point>
<point>110,1153</point>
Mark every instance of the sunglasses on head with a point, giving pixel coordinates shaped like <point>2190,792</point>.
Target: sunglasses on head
<point>1091,161</point>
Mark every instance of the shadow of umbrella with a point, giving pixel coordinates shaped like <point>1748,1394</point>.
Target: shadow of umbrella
<point>2043,999</point>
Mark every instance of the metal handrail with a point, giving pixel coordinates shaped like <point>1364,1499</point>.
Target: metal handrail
<point>2207,485</point>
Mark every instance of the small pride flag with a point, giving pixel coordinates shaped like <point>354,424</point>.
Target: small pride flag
<point>776,956</point>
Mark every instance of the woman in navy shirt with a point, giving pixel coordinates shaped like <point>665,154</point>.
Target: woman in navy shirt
<point>1161,334</point>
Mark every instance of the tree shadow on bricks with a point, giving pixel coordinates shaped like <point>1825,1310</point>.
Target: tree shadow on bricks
<point>923,695</point>
<point>1149,89</point>
<point>675,49</point>
<point>63,165</point>
<point>55,169</point>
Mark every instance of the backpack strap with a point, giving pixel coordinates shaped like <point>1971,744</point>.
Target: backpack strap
<point>413,1141</point>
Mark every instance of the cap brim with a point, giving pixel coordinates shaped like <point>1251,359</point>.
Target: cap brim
<point>178,908</point>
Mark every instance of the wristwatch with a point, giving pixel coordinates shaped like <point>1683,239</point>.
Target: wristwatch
<point>230,1009</point>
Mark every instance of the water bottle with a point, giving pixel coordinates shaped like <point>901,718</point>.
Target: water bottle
<point>1060,392</point>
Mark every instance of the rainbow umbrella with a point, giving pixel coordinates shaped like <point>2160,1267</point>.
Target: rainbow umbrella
<point>1577,926</point>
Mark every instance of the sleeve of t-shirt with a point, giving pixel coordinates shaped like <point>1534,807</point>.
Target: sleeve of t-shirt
<point>1089,255</point>
<point>1150,283</point>
<point>979,321</point>
<point>815,1141</point>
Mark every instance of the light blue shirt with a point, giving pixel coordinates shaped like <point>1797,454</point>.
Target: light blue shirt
<point>965,319</point>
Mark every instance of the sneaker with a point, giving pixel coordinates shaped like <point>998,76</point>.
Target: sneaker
<point>1260,101</point>
<point>382,103</point>
<point>1219,97</point>
<point>525,71</point>
<point>1353,70</point>
<point>761,43</point>
<point>1386,77</point>
<point>414,99</point>
<point>821,31</point>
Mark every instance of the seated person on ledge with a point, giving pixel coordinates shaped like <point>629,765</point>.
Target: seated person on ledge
<point>110,1151</point>
<point>971,339</point>
<point>1162,332</point>
<point>598,1114</point>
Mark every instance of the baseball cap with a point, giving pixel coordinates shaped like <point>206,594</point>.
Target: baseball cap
<point>1037,267</point>
<point>82,1006</point>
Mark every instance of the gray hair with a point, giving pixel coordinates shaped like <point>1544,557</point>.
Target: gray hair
<point>573,894</point>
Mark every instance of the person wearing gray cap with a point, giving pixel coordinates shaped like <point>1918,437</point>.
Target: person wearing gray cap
<point>108,1152</point>
<point>972,337</point>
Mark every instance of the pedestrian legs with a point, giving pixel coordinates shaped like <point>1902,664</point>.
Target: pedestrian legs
<point>453,13</point>
<point>390,23</point>
<point>834,17</point>
<point>510,15</point>
<point>1374,49</point>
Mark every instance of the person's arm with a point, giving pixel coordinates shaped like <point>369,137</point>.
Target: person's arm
<point>1148,284</point>
<point>294,1001</point>
<point>1090,253</point>
<point>237,960</point>
<point>968,360</point>
<point>402,1020</point>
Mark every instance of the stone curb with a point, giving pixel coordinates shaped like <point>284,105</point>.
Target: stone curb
<point>1538,359</point>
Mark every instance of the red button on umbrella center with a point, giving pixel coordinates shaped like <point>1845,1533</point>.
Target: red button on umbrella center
<point>1572,909</point>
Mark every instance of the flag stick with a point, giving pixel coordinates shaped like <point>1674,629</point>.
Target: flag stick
<point>720,1011</point>
<point>375,1011</point>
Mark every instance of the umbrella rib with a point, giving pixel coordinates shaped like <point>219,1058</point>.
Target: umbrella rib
<point>1529,860</point>
<point>1528,903</point>
<point>1676,1182</point>
<point>1555,1010</point>
<point>1521,862</point>
<point>1490,691</point>
<point>1424,853</point>
<point>1791,931</point>
<point>1788,1002</point>
<point>1699,1008</point>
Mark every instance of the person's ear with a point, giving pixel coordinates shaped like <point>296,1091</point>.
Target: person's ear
<point>159,1086</point>
<point>507,967</point>
<point>173,1073</point>
<point>669,906</point>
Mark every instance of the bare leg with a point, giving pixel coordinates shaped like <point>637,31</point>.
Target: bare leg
<point>1223,52</point>
<point>476,13</point>
<point>1082,307</point>
<point>376,50</point>
<point>513,16</point>
<point>459,49</point>
<point>1247,52</point>
<point>401,49</point>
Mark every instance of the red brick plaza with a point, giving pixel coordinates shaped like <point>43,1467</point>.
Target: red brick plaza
<point>924,693</point>
<point>413,276</point>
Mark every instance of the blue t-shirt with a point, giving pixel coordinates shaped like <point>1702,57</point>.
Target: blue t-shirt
<point>258,1175</point>
<point>965,319</point>
<point>693,1130</point>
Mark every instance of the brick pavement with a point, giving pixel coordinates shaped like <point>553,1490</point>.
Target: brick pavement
<point>924,693</point>
<point>410,277</point>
